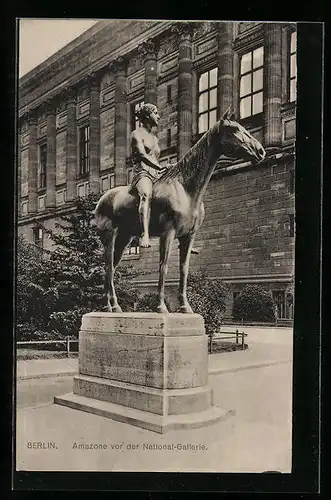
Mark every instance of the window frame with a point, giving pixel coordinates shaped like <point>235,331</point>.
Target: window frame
<point>289,59</point>
<point>207,112</point>
<point>42,167</point>
<point>252,117</point>
<point>83,172</point>
<point>37,240</point>
<point>134,120</point>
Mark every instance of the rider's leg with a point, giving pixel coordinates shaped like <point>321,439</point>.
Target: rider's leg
<point>144,188</point>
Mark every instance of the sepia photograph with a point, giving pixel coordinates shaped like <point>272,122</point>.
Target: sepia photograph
<point>156,234</point>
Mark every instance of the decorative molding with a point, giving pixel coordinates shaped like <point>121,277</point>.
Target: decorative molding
<point>107,97</point>
<point>31,117</point>
<point>119,64</point>
<point>42,129</point>
<point>204,28</point>
<point>168,46</point>
<point>83,108</point>
<point>136,80</point>
<point>184,30</point>
<point>24,140</point>
<point>250,39</point>
<point>149,49</point>
<point>169,64</point>
<point>61,120</point>
<point>208,45</point>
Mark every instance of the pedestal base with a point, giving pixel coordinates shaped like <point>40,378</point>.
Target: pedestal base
<point>145,369</point>
<point>143,419</point>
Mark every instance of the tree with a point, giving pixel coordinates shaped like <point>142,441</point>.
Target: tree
<point>254,304</point>
<point>73,276</point>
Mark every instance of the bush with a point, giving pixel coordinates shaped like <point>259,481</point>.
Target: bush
<point>149,302</point>
<point>208,298</point>
<point>254,304</point>
<point>54,293</point>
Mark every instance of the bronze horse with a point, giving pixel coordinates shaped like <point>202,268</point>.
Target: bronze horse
<point>177,209</point>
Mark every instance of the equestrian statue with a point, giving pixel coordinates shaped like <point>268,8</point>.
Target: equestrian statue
<point>166,202</point>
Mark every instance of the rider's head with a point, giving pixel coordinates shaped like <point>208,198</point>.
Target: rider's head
<point>148,112</point>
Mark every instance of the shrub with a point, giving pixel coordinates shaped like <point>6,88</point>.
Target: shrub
<point>208,298</point>
<point>54,293</point>
<point>254,304</point>
<point>149,302</point>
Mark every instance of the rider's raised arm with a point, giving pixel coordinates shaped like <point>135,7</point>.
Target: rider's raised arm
<point>139,150</point>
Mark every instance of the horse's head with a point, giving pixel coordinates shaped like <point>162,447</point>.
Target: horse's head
<point>237,142</point>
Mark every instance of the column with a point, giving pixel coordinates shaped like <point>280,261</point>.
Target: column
<point>184,32</point>
<point>149,51</point>
<point>272,86</point>
<point>51,154</point>
<point>33,163</point>
<point>71,144</point>
<point>119,68</point>
<point>225,66</point>
<point>94,145</point>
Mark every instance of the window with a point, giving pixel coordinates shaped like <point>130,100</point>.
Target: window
<point>24,207</point>
<point>207,100</point>
<point>107,182</point>
<point>251,83</point>
<point>292,92</point>
<point>135,123</point>
<point>283,306</point>
<point>84,139</point>
<point>83,189</point>
<point>168,138</point>
<point>61,196</point>
<point>42,166</point>
<point>41,202</point>
<point>169,98</point>
<point>38,237</point>
<point>133,248</point>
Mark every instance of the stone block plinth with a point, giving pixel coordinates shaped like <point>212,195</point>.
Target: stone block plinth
<point>146,369</point>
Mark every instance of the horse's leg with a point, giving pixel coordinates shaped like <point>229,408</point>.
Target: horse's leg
<point>185,249</point>
<point>165,247</point>
<point>109,240</point>
<point>120,242</point>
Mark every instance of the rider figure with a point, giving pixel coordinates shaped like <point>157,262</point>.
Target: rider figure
<point>145,154</point>
<point>146,168</point>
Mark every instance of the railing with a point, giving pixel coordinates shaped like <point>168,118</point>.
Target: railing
<point>228,335</point>
<point>67,341</point>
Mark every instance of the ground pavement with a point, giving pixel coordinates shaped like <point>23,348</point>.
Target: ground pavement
<point>255,385</point>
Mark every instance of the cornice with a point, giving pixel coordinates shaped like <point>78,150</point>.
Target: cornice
<point>103,62</point>
<point>119,65</point>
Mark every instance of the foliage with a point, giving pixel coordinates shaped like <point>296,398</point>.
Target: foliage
<point>55,292</point>
<point>254,304</point>
<point>149,302</point>
<point>208,298</point>
<point>289,292</point>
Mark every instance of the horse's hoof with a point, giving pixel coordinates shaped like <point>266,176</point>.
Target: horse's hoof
<point>185,310</point>
<point>117,309</point>
<point>162,309</point>
<point>144,242</point>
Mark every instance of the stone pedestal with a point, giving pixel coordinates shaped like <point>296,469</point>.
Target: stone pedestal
<point>145,369</point>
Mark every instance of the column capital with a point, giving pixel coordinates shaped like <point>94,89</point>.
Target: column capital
<point>149,49</point>
<point>118,65</point>
<point>31,117</point>
<point>183,30</point>
<point>48,106</point>
<point>68,94</point>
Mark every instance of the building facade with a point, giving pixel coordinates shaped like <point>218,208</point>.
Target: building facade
<point>77,110</point>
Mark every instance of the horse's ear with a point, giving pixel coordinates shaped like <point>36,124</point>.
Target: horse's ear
<point>229,114</point>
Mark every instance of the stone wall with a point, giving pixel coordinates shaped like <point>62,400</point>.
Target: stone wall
<point>246,227</point>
